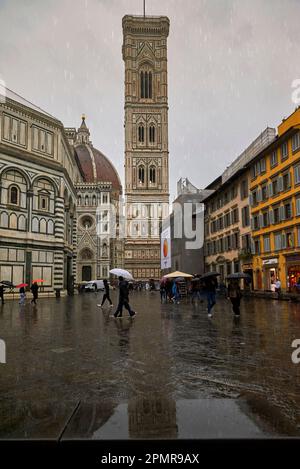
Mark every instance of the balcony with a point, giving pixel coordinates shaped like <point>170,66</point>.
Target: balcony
<point>245,254</point>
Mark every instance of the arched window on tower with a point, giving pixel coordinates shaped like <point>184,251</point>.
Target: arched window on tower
<point>141,133</point>
<point>151,134</point>
<point>152,175</point>
<point>146,84</point>
<point>141,174</point>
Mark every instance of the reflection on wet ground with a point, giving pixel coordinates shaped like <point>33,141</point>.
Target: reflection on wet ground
<point>74,372</point>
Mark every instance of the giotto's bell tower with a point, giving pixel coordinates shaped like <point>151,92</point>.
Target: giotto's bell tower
<point>146,140</point>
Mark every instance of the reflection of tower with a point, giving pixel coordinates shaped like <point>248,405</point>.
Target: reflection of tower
<point>146,140</point>
<point>152,417</point>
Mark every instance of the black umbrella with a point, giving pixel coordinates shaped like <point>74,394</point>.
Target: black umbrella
<point>238,275</point>
<point>210,274</point>
<point>7,283</point>
<point>180,279</point>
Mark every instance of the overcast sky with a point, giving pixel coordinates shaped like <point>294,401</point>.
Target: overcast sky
<point>231,66</point>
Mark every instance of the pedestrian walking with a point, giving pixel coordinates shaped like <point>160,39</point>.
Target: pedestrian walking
<point>2,294</point>
<point>162,290</point>
<point>106,295</point>
<point>195,290</point>
<point>123,299</point>
<point>234,295</point>
<point>175,292</point>
<point>34,289</point>
<point>210,285</point>
<point>22,296</point>
<point>278,288</point>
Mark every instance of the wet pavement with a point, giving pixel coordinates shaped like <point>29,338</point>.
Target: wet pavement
<point>72,371</point>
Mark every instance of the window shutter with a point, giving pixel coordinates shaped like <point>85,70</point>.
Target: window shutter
<point>261,221</point>
<point>267,191</point>
<point>258,195</point>
<point>283,243</point>
<point>252,246</point>
<point>281,213</point>
<point>298,206</point>
<point>251,199</point>
<point>243,218</point>
<point>270,190</point>
<point>297,174</point>
<point>271,217</point>
<point>252,224</point>
<point>280,184</point>
<point>262,165</point>
<point>232,241</point>
<point>289,179</point>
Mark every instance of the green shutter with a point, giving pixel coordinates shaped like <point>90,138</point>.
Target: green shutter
<point>270,190</point>
<point>283,242</point>
<point>298,206</point>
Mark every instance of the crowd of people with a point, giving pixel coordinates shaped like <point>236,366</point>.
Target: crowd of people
<point>22,293</point>
<point>170,292</point>
<point>201,289</point>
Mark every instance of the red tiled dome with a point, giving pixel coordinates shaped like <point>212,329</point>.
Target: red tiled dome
<point>96,166</point>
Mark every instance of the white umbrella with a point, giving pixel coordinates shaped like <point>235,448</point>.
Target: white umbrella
<point>177,273</point>
<point>121,272</point>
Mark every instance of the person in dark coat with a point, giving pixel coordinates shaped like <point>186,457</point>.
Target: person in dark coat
<point>106,295</point>
<point>210,285</point>
<point>234,295</point>
<point>34,290</point>
<point>123,299</point>
<point>2,293</point>
<point>163,292</point>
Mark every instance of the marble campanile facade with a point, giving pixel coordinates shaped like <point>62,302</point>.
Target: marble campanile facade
<point>146,140</point>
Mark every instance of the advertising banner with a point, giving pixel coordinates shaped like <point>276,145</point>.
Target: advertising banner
<point>165,249</point>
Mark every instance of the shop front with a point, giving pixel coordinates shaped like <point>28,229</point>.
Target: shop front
<point>248,269</point>
<point>293,273</point>
<point>270,273</point>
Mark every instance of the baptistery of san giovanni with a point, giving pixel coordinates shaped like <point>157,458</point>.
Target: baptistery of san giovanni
<point>52,180</point>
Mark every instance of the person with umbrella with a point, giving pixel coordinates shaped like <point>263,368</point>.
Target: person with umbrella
<point>210,285</point>
<point>22,293</point>
<point>34,289</point>
<point>234,295</point>
<point>2,293</point>
<point>123,299</point>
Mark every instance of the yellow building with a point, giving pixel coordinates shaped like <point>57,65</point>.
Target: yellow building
<point>275,209</point>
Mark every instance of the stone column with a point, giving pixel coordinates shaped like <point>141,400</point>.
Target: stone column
<point>74,243</point>
<point>59,237</point>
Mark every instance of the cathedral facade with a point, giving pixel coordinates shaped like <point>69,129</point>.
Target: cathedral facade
<point>146,141</point>
<point>56,191</point>
<point>99,246</point>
